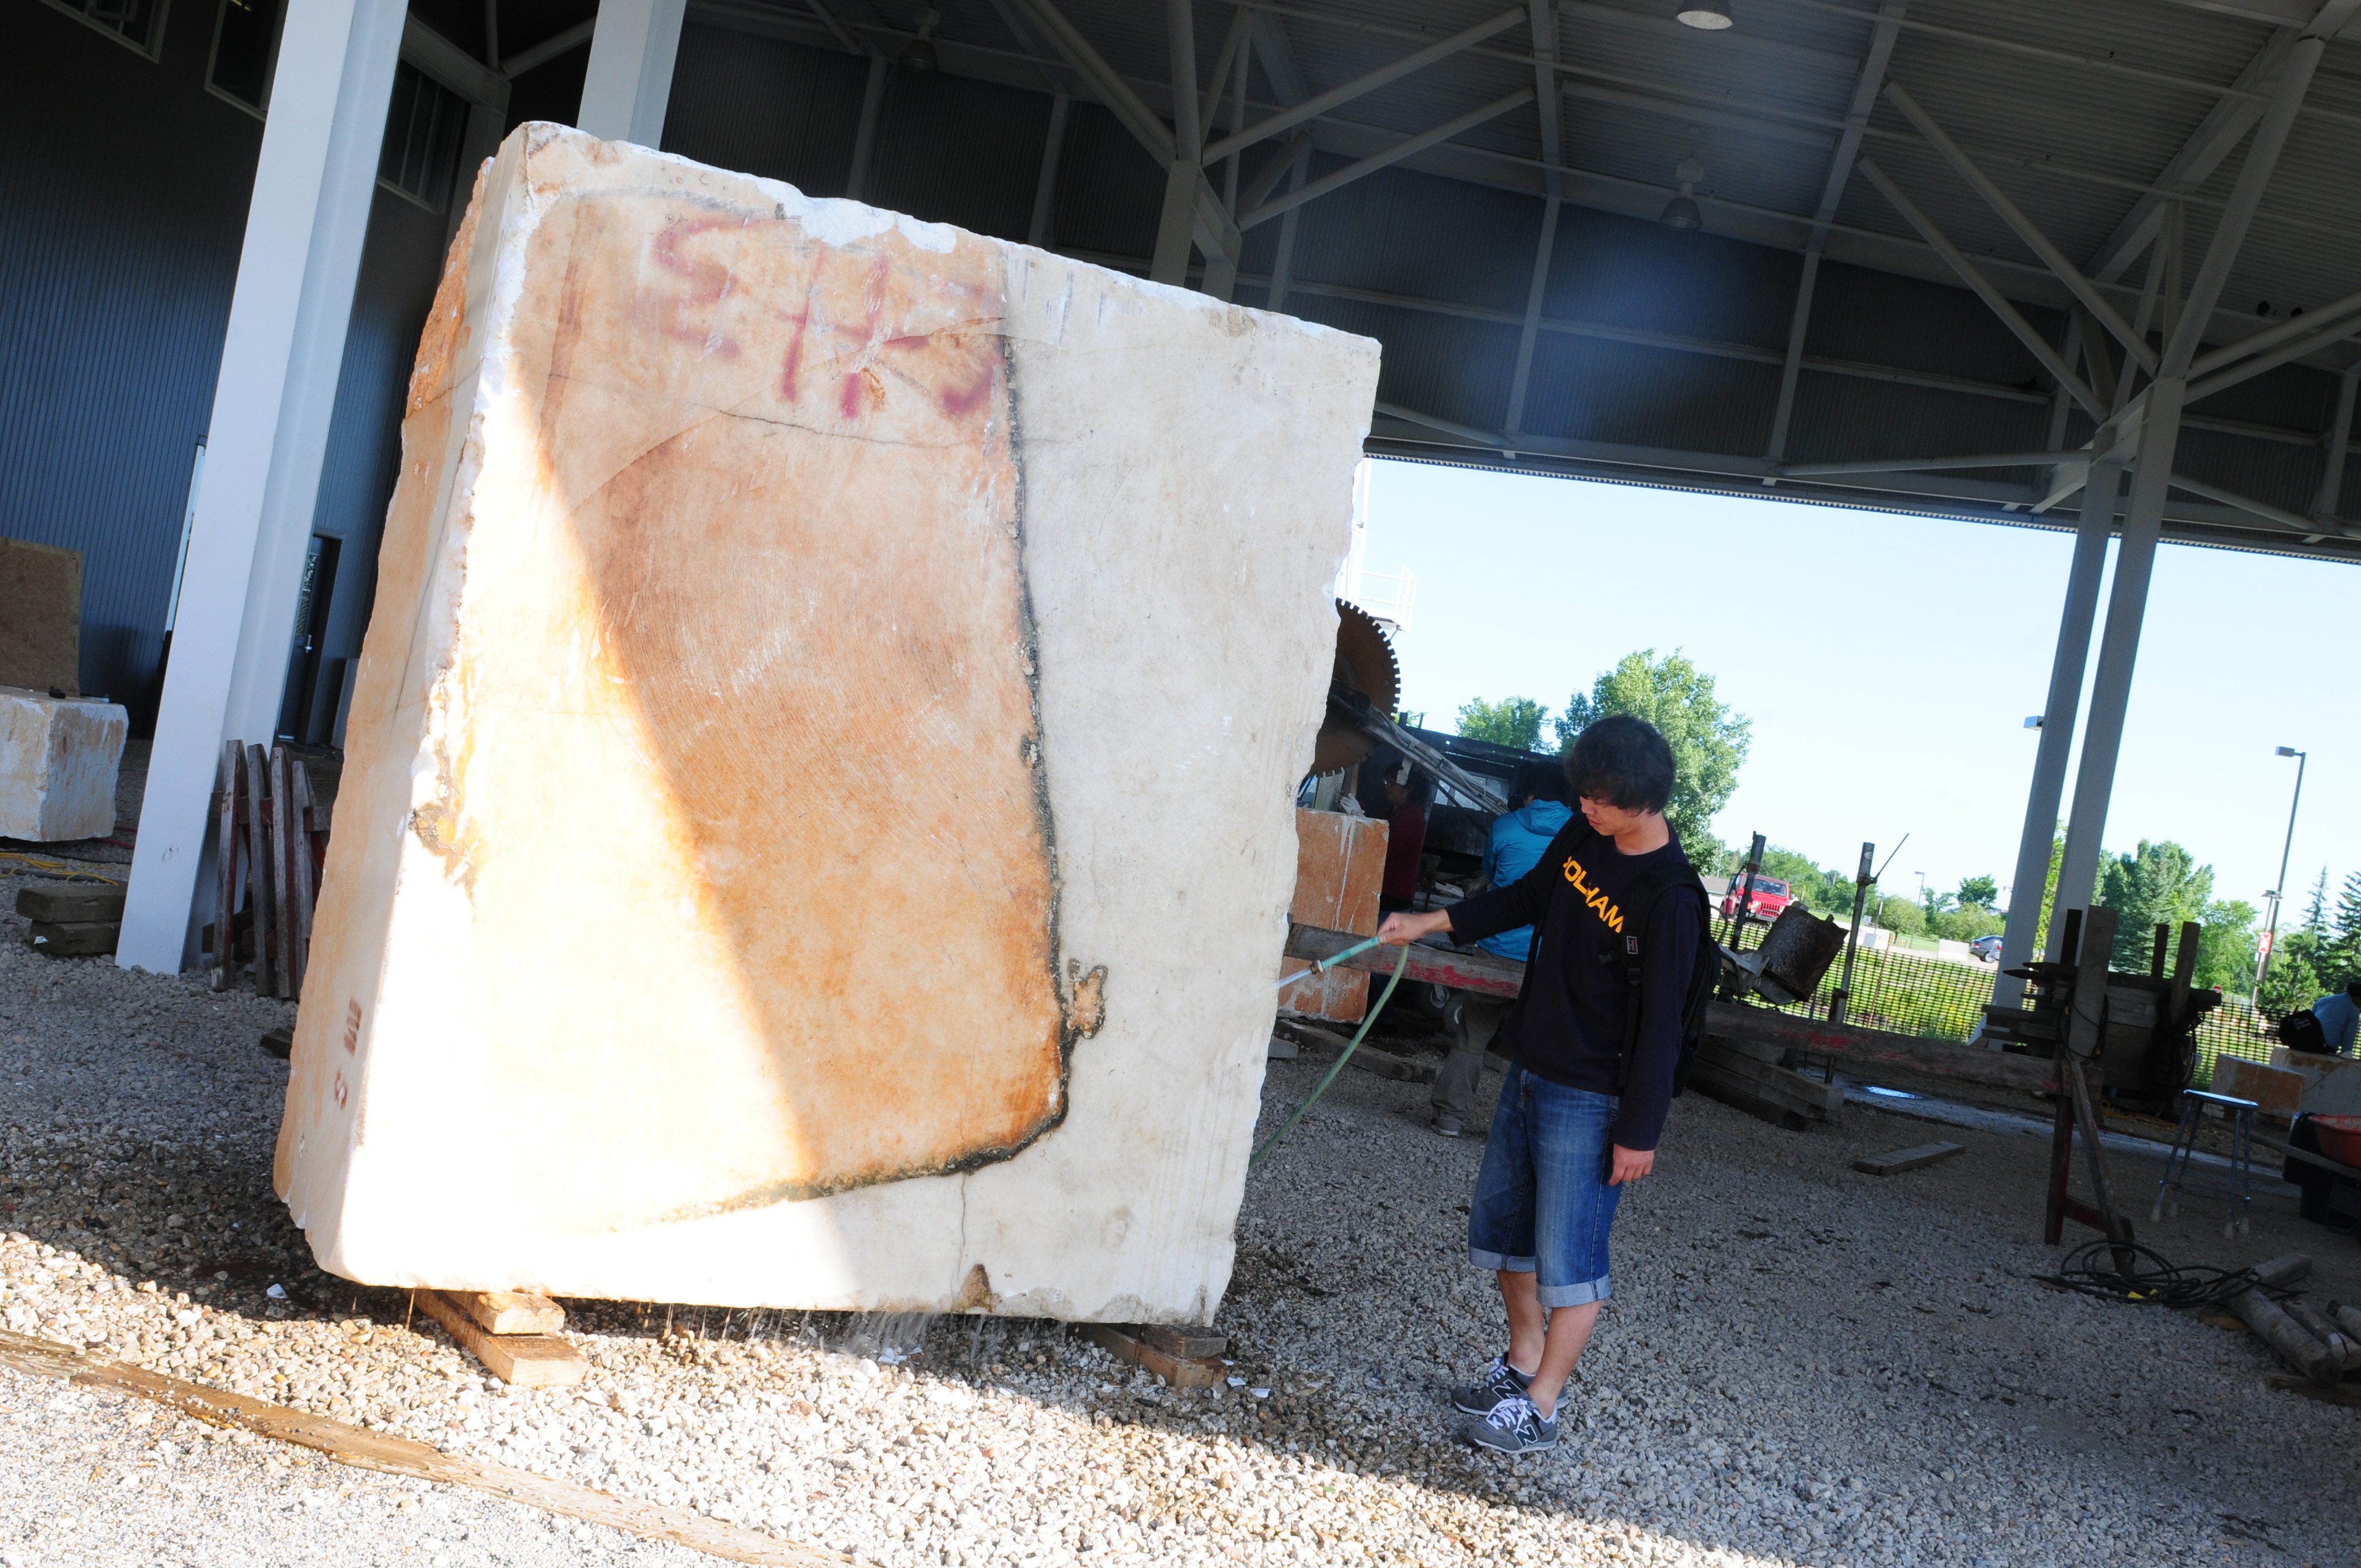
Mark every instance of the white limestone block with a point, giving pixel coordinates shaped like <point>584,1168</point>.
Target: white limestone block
<point>58,757</point>
<point>818,825</point>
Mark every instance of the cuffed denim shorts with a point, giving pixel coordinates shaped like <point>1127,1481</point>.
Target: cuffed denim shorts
<point>1542,1205</point>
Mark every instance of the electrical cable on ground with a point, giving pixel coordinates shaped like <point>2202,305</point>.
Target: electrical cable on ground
<point>57,868</point>
<point>1320,1088</point>
<point>2155,1280</point>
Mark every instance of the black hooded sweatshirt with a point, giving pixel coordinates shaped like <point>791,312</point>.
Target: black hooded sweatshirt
<point>1568,1022</point>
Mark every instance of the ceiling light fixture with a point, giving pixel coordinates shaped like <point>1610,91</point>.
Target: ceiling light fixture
<point>918,54</point>
<point>1681,212</point>
<point>1705,18</point>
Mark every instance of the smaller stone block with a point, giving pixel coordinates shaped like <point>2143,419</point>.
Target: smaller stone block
<point>40,616</point>
<point>58,762</point>
<point>2276,1091</point>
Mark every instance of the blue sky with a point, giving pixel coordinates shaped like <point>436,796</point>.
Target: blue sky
<point>1889,662</point>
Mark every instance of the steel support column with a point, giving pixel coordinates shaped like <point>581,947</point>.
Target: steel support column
<point>865,135</point>
<point>1045,188</point>
<point>2058,715</point>
<point>283,353</point>
<point>2111,688</point>
<point>628,84</point>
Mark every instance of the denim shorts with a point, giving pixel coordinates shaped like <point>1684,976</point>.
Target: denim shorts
<point>1542,1205</point>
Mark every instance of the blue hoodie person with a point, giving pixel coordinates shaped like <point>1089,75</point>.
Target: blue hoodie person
<point>1518,840</point>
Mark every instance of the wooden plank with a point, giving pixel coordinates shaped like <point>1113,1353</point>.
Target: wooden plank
<point>226,873</point>
<point>1119,1341</point>
<point>509,1311</point>
<point>527,1360</point>
<point>1741,1096</point>
<point>282,871</point>
<point>1188,1341</point>
<point>59,902</point>
<point>1877,1048</point>
<point>391,1455</point>
<point>296,835</point>
<point>1815,1097</point>
<point>1912,1158</point>
<point>72,938</point>
<point>251,770</point>
<point>1368,1058</point>
<point>1473,971</point>
<point>2334,1394</point>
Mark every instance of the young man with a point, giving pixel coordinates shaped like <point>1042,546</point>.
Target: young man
<point>1518,842</point>
<point>1582,1108</point>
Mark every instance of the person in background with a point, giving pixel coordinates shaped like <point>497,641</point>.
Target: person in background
<point>1406,799</point>
<point>2340,1017</point>
<point>1538,813</point>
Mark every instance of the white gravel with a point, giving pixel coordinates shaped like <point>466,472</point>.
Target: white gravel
<point>1802,1364</point>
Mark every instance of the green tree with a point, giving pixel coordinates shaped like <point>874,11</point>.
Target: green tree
<point>2341,952</point>
<point>1903,915</point>
<point>2159,884</point>
<point>2315,917</point>
<point>1966,922</point>
<point>2295,977</point>
<point>1514,722</point>
<point>1710,742</point>
<point>1980,890</point>
<point>2227,951</point>
<point>1822,890</point>
<point>2050,892</point>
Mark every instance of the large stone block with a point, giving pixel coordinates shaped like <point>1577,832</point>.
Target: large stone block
<point>58,757</point>
<point>817,830</point>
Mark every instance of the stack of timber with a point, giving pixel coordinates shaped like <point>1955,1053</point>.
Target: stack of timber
<point>2147,1051</point>
<point>1752,1076</point>
<point>512,1332</point>
<point>271,842</point>
<point>1184,1357</point>
<point>1340,869</point>
<point>72,919</point>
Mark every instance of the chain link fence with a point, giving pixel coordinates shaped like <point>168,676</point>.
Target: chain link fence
<point>1913,992</point>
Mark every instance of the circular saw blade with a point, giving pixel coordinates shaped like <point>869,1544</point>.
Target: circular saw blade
<point>1365,667</point>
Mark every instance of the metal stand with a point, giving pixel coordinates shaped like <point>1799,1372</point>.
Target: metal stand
<point>2076,1105</point>
<point>2239,1187</point>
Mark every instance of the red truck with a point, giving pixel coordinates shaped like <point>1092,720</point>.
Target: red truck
<point>1771,896</point>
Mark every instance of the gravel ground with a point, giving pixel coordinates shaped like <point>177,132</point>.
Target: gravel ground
<point>1802,1364</point>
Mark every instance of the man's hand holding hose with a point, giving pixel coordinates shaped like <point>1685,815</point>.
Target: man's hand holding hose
<point>1403,927</point>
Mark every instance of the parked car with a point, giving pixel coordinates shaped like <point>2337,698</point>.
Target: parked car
<point>1986,948</point>
<point>1771,896</point>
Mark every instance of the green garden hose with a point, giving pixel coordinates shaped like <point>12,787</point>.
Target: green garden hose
<point>1320,1088</point>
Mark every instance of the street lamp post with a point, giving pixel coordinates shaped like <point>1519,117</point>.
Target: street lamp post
<point>2271,935</point>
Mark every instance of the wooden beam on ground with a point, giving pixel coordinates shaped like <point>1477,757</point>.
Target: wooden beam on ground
<point>1912,1158</point>
<point>527,1360</point>
<point>509,1311</point>
<point>1125,1342</point>
<point>392,1455</point>
<point>1863,1049</point>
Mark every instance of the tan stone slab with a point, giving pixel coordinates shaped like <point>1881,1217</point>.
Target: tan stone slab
<point>816,826</point>
<point>41,617</point>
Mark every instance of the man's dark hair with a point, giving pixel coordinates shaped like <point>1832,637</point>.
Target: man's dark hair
<point>1539,780</point>
<point>1623,760</point>
<point>2353,988</point>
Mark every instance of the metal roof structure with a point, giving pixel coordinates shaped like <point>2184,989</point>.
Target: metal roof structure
<point>1929,229</point>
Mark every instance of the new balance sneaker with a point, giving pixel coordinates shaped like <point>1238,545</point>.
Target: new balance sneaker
<point>1513,1427</point>
<point>1499,1381</point>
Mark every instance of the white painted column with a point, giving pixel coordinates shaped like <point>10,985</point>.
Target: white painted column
<point>2100,493</point>
<point>280,358</point>
<point>629,83</point>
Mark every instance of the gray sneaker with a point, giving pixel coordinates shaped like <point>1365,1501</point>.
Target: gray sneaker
<point>1499,1381</point>
<point>1513,1427</point>
<point>1443,1124</point>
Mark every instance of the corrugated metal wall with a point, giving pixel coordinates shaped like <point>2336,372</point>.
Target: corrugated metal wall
<point>123,193</point>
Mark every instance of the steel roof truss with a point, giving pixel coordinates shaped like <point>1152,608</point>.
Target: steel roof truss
<point>2039,345</point>
<point>1320,104</point>
<point>1386,159</point>
<point>2092,299</point>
